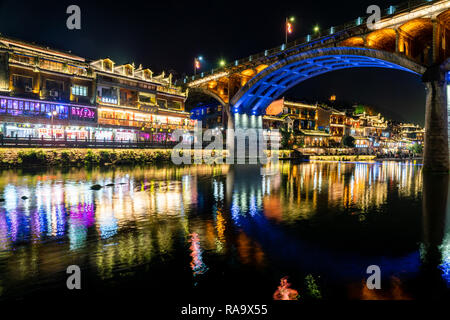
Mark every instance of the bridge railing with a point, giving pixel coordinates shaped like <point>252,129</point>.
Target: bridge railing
<point>334,32</point>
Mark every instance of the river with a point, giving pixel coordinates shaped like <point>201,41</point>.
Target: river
<point>211,232</point>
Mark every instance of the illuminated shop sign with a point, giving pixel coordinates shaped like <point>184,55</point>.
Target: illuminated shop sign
<point>83,112</point>
<point>109,100</point>
<point>44,109</point>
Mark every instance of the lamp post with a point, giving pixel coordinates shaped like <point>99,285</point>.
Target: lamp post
<point>52,114</point>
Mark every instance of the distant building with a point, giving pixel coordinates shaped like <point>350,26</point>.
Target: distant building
<point>410,132</point>
<point>211,115</point>
<point>309,123</point>
<point>339,125</point>
<point>321,126</point>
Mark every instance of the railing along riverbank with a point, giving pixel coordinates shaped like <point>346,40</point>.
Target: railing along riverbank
<point>86,143</point>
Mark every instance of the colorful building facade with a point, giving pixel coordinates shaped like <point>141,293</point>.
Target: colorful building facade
<point>212,115</point>
<point>144,106</point>
<point>320,126</point>
<point>309,123</point>
<point>46,93</point>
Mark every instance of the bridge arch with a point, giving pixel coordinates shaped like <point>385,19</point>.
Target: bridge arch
<point>383,39</point>
<point>193,92</point>
<point>416,39</point>
<point>273,81</point>
<point>443,20</point>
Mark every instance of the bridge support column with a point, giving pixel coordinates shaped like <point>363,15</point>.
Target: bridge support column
<point>230,131</point>
<point>436,154</point>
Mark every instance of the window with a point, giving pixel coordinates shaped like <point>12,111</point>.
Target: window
<point>128,71</point>
<point>52,65</point>
<point>108,95</point>
<point>79,90</point>
<point>147,98</point>
<point>109,92</point>
<point>21,82</point>
<point>162,103</point>
<point>22,58</point>
<point>75,70</point>
<point>53,85</point>
<point>107,65</point>
<point>177,105</point>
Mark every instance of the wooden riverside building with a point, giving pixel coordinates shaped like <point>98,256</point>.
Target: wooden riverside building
<point>46,93</point>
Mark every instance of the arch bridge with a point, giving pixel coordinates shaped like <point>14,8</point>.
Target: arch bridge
<point>413,37</point>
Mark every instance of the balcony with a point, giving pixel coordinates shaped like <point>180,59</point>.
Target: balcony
<point>176,90</point>
<point>142,124</point>
<point>48,65</point>
<point>130,103</point>
<point>24,92</point>
<point>55,95</point>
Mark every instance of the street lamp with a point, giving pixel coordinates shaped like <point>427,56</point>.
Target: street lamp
<point>52,114</point>
<point>222,63</point>
<point>288,27</point>
<point>316,29</point>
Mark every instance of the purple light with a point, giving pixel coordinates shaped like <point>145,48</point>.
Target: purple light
<point>83,112</point>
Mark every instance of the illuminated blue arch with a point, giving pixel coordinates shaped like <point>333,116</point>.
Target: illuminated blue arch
<point>272,82</point>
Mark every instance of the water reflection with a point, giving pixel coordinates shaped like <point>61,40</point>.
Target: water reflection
<point>324,218</point>
<point>436,219</point>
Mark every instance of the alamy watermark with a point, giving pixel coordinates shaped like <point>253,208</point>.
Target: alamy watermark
<point>374,281</point>
<point>375,16</point>
<point>73,22</point>
<point>242,146</point>
<point>74,280</point>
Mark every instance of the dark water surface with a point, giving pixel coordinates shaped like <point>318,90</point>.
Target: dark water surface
<point>215,232</point>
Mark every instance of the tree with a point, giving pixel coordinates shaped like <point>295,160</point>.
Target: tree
<point>416,148</point>
<point>348,141</point>
<point>286,138</point>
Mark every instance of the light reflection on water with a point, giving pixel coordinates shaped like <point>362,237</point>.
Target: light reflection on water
<point>214,215</point>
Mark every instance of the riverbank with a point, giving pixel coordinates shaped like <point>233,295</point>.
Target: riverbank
<point>45,157</point>
<point>359,158</point>
<point>344,158</point>
<point>12,157</point>
<point>18,157</point>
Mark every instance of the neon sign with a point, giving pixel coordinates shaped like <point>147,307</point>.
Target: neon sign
<point>83,112</point>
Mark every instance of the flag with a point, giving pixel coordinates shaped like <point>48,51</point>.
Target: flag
<point>289,27</point>
<point>197,64</point>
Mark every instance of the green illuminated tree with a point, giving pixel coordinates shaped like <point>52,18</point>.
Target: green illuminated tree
<point>312,287</point>
<point>416,148</point>
<point>286,138</point>
<point>348,141</point>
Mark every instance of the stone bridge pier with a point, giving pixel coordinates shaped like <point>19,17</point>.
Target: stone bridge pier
<point>436,153</point>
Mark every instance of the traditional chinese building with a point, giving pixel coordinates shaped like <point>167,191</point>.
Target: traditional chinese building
<point>339,125</point>
<point>309,123</point>
<point>45,92</point>
<point>49,93</point>
<point>409,132</point>
<point>144,106</point>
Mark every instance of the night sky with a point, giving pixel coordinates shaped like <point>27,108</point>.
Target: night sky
<point>167,35</point>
